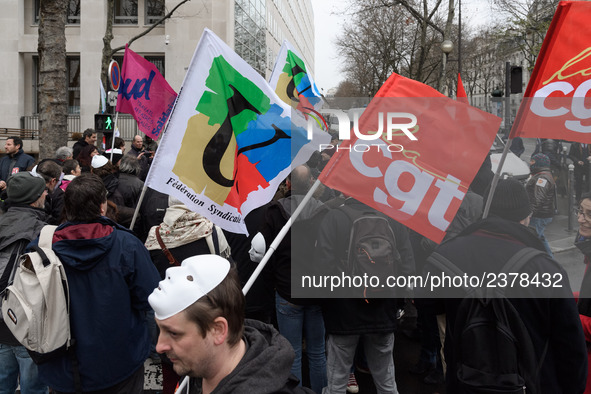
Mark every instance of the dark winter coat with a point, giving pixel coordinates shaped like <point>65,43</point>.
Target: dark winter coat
<point>22,161</point>
<point>552,318</point>
<point>279,266</point>
<point>130,187</point>
<point>78,146</point>
<point>110,275</point>
<point>584,302</point>
<point>540,190</point>
<point>348,316</point>
<point>265,368</point>
<point>18,226</point>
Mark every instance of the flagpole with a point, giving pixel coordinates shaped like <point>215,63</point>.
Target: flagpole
<point>495,180</point>
<point>279,238</point>
<point>137,207</point>
<point>113,138</point>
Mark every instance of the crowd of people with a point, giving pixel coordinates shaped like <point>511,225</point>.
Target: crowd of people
<point>170,288</point>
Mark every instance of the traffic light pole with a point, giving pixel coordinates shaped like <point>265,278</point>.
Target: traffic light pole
<point>507,99</point>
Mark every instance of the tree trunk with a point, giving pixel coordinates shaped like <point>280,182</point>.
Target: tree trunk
<point>53,81</point>
<point>107,50</point>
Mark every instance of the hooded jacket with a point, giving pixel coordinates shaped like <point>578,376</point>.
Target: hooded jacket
<point>265,368</point>
<point>110,276</point>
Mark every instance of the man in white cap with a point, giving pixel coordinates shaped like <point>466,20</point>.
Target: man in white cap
<point>199,308</point>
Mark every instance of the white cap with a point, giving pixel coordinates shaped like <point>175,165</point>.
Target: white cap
<point>98,161</point>
<point>184,285</point>
<point>257,248</point>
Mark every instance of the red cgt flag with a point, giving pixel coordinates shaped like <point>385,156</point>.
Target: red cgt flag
<point>419,164</point>
<point>557,102</point>
<point>461,95</point>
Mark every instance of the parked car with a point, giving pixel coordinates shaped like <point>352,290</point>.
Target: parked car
<point>513,167</point>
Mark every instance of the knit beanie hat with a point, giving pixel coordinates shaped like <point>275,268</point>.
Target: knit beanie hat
<point>117,155</point>
<point>510,201</point>
<point>24,188</point>
<point>540,160</point>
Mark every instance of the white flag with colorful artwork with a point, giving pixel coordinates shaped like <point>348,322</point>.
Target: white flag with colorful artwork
<point>293,82</point>
<point>230,140</point>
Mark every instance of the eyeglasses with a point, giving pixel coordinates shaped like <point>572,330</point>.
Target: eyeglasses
<point>580,211</point>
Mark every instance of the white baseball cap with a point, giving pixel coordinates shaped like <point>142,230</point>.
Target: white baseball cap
<point>184,285</point>
<point>98,161</point>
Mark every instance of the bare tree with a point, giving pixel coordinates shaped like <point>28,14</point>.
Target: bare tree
<point>108,52</point>
<point>527,23</point>
<point>386,36</point>
<point>53,83</point>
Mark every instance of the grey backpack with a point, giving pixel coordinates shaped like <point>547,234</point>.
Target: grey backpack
<point>35,304</point>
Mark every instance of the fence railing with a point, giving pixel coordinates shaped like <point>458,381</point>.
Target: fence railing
<point>30,126</point>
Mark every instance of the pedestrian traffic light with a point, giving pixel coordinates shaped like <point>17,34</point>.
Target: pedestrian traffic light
<point>516,79</point>
<point>104,123</point>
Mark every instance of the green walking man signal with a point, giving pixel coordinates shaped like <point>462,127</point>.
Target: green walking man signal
<point>103,123</point>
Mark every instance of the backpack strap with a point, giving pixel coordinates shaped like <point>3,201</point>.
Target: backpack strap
<point>515,264</point>
<point>445,265</point>
<point>9,271</point>
<point>46,236</point>
<point>216,241</point>
<point>171,259</point>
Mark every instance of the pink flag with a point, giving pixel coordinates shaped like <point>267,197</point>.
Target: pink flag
<point>145,94</point>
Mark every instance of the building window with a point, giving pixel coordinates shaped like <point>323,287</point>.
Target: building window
<point>73,12</point>
<point>154,11</point>
<point>158,61</point>
<point>125,12</point>
<point>250,33</point>
<point>73,76</point>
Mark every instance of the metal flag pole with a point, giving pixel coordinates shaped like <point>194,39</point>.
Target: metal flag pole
<point>495,180</point>
<point>113,138</point>
<point>279,238</point>
<point>137,207</point>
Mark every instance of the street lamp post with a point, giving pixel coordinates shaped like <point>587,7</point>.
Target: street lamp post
<point>446,47</point>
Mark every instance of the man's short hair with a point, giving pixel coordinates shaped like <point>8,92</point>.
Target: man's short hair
<point>119,143</point>
<point>63,152</point>
<point>225,300</point>
<point>88,133</point>
<point>130,165</point>
<point>49,169</point>
<point>83,198</point>
<point>16,141</point>
<point>69,166</point>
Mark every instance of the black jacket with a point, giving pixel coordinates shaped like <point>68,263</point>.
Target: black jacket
<point>540,190</point>
<point>279,266</point>
<point>78,146</point>
<point>485,247</point>
<point>577,153</point>
<point>22,161</point>
<point>348,316</point>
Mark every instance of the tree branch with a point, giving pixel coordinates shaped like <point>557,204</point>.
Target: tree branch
<point>158,22</point>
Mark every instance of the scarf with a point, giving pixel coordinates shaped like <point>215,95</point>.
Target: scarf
<point>181,226</point>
